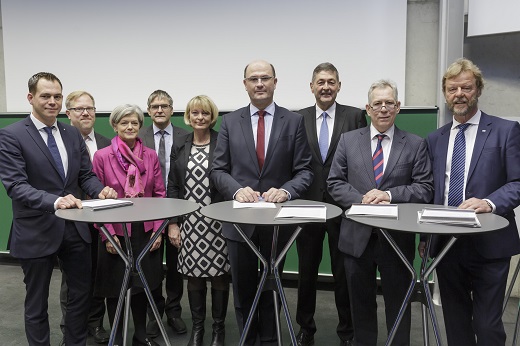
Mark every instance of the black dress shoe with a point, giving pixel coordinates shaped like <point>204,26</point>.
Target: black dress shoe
<point>100,335</point>
<point>177,325</point>
<point>152,329</point>
<point>304,339</point>
<point>147,342</point>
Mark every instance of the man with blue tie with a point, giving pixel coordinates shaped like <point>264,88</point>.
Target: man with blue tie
<point>160,136</point>
<point>324,124</point>
<point>43,165</point>
<point>476,165</point>
<point>378,164</point>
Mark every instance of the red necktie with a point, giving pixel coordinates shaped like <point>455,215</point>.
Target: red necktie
<point>260,139</point>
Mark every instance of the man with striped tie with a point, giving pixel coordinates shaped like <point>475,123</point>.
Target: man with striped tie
<point>378,164</point>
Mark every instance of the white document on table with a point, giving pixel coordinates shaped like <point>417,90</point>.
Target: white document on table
<point>258,205</point>
<point>449,216</point>
<point>312,212</point>
<point>374,210</point>
<point>101,204</point>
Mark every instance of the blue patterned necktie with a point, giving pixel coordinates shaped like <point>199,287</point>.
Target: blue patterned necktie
<point>458,167</point>
<point>378,160</point>
<point>53,148</point>
<point>323,141</point>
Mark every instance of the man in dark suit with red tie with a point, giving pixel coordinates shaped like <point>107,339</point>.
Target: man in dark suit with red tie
<point>324,123</point>
<point>261,151</point>
<point>476,165</point>
<point>43,164</point>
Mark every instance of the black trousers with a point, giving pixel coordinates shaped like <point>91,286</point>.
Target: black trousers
<point>245,277</point>
<point>74,255</point>
<point>310,251</point>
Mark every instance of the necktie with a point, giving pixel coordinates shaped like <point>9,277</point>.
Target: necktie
<point>162,156</point>
<point>378,160</point>
<point>53,148</point>
<point>323,141</point>
<point>260,139</point>
<point>458,167</point>
<point>87,138</point>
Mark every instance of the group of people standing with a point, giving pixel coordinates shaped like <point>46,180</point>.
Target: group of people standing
<point>325,152</point>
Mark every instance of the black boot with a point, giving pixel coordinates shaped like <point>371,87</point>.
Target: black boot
<point>197,301</point>
<point>219,303</point>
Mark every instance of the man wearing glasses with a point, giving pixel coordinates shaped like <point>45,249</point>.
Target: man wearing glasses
<point>375,165</point>
<point>160,136</point>
<point>81,112</point>
<point>262,151</point>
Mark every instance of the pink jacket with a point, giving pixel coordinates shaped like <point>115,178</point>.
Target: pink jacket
<point>110,172</point>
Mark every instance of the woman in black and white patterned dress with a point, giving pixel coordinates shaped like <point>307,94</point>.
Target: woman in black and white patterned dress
<point>203,251</point>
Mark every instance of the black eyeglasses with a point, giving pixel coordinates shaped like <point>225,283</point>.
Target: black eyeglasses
<point>80,110</point>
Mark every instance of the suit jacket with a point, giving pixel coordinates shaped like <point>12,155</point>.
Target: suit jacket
<point>287,161</point>
<point>494,173</point>
<point>101,141</point>
<point>107,168</point>
<point>347,119</point>
<point>33,183</point>
<point>147,136</point>
<point>179,157</point>
<point>407,176</point>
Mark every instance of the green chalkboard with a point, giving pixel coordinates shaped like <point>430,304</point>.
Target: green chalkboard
<point>420,121</point>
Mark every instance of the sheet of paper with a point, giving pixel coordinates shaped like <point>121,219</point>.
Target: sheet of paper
<point>99,204</point>
<point>259,205</point>
<point>318,212</point>
<point>376,210</point>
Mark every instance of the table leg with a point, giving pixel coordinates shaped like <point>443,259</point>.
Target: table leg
<point>127,259</point>
<point>411,288</point>
<point>145,283</point>
<point>510,288</point>
<point>424,279</point>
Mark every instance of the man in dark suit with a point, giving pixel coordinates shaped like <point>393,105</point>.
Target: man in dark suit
<point>81,111</point>
<point>43,163</point>
<point>483,176</point>
<point>160,109</point>
<point>325,86</point>
<point>378,164</point>
<point>262,151</point>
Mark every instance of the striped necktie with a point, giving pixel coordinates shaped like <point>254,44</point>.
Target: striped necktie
<point>378,160</point>
<point>458,167</point>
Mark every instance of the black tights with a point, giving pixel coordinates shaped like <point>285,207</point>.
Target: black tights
<point>219,283</point>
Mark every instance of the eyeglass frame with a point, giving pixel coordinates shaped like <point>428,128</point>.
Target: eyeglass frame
<point>384,104</point>
<point>163,107</point>
<point>80,110</point>
<point>263,79</point>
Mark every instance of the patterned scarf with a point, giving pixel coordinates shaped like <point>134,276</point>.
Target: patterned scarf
<point>132,163</point>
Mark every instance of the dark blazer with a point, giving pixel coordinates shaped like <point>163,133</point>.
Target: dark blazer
<point>407,176</point>
<point>494,173</point>
<point>33,183</point>
<point>235,165</point>
<point>179,161</point>
<point>347,119</point>
<point>101,141</point>
<point>147,136</point>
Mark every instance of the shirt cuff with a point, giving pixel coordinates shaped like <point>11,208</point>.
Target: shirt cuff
<point>390,196</point>
<point>491,204</point>
<point>288,194</point>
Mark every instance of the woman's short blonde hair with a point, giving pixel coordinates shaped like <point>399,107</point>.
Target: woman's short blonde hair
<point>206,104</point>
